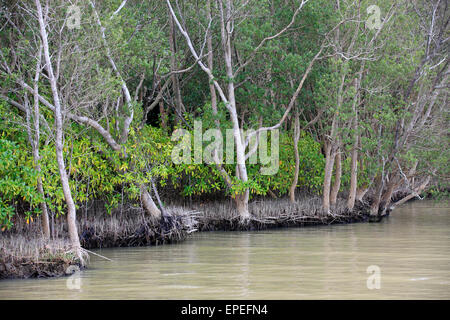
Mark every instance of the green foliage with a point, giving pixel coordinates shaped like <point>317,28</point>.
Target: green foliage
<point>17,181</point>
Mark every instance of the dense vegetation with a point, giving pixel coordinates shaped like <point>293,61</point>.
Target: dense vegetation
<point>92,94</point>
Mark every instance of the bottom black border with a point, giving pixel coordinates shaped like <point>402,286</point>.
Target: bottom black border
<point>223,309</point>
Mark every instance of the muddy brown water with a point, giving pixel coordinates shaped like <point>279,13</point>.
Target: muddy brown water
<point>411,250</point>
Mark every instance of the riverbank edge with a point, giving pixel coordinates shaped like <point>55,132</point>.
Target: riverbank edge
<point>24,257</point>
<point>280,213</point>
<point>146,232</point>
<point>25,268</point>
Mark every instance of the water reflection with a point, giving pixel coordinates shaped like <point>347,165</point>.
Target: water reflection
<point>411,248</point>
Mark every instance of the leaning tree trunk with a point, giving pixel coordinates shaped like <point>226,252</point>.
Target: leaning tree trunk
<point>297,158</point>
<point>337,179</point>
<point>71,210</point>
<point>413,194</point>
<point>149,205</point>
<point>360,193</point>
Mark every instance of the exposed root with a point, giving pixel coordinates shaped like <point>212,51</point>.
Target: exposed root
<point>33,256</point>
<point>137,230</point>
<point>25,257</point>
<point>127,228</point>
<point>276,213</point>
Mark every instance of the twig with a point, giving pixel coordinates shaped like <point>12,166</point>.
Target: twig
<point>99,255</point>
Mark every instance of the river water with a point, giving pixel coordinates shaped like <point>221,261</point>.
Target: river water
<point>408,256</point>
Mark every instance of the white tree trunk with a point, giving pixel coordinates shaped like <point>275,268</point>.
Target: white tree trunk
<point>297,158</point>
<point>353,176</point>
<point>71,210</point>
<point>415,193</point>
<point>337,179</point>
<point>173,64</point>
<point>148,203</point>
<point>226,31</point>
<point>329,163</point>
<point>34,142</point>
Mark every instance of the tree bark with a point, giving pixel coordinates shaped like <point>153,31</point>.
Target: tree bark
<point>337,178</point>
<point>376,199</point>
<point>149,205</point>
<point>415,193</point>
<point>353,175</point>
<point>387,195</point>
<point>329,163</point>
<point>34,142</point>
<point>297,157</point>
<point>71,210</point>
<point>242,207</point>
<point>354,156</point>
<point>173,64</point>
<point>362,190</point>
<point>36,156</point>
<point>210,60</point>
<point>360,193</point>
<point>226,31</point>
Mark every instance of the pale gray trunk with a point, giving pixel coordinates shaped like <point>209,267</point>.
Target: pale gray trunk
<point>335,156</point>
<point>330,155</point>
<point>210,57</point>
<point>34,142</point>
<point>173,63</point>
<point>387,195</point>
<point>376,199</point>
<point>329,163</point>
<point>354,156</point>
<point>149,205</point>
<point>297,157</point>
<point>353,176</point>
<point>360,193</point>
<point>71,210</point>
<point>242,207</point>
<point>242,202</point>
<point>362,190</point>
<point>415,193</point>
<point>43,205</point>
<point>212,90</point>
<point>337,179</point>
